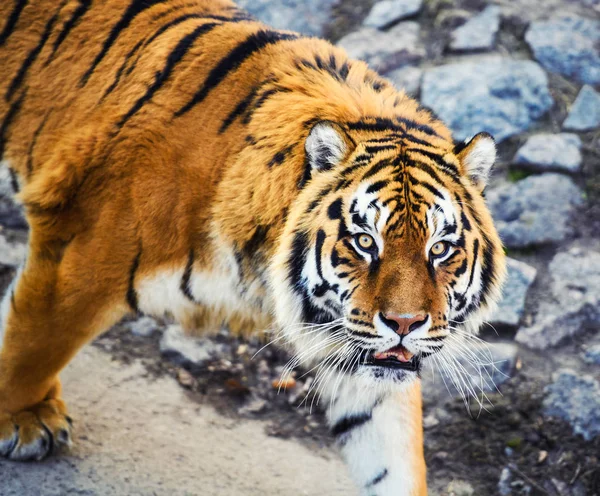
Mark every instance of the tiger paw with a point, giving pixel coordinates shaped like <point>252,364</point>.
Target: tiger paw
<point>36,432</point>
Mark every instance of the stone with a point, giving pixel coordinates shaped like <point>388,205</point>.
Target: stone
<point>305,16</point>
<point>11,254</point>
<point>144,326</point>
<point>501,96</point>
<point>585,112</point>
<point>536,210</point>
<point>545,152</point>
<point>479,32</point>
<point>512,305</point>
<point>504,487</point>
<point>460,488</point>
<point>567,46</point>
<point>407,78</point>
<point>574,303</point>
<point>387,12</point>
<point>187,351</point>
<point>592,354</point>
<point>576,399</point>
<point>385,51</point>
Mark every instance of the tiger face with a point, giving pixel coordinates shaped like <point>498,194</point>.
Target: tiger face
<point>388,253</point>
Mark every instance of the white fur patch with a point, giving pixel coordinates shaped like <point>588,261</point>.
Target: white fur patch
<point>324,146</point>
<point>480,158</point>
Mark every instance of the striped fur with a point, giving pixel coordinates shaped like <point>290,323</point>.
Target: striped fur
<point>177,156</point>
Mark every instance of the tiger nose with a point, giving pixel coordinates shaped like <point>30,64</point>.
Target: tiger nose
<point>403,323</point>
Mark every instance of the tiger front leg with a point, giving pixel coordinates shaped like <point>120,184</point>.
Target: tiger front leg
<point>381,439</point>
<point>49,312</point>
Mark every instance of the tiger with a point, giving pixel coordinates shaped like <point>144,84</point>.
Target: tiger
<point>180,158</point>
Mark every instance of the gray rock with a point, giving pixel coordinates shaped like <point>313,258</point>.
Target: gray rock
<point>479,32</point>
<point>385,51</point>
<point>510,309</point>
<point>536,210</point>
<point>407,78</point>
<point>460,488</point>
<point>567,46</point>
<point>493,94</point>
<point>550,152</point>
<point>186,351</point>
<point>144,326</point>
<point>585,112</point>
<point>305,16</point>
<point>388,12</point>
<point>504,487</point>
<point>575,300</point>
<point>592,354</point>
<point>575,399</point>
<point>11,254</point>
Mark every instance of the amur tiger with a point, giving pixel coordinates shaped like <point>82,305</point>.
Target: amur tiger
<point>180,157</point>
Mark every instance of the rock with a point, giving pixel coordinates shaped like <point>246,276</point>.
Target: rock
<point>305,16</point>
<point>11,254</point>
<point>567,46</point>
<point>460,488</point>
<point>387,12</point>
<point>519,278</point>
<point>144,326</point>
<point>504,487</point>
<point>255,405</point>
<point>592,354</point>
<point>186,351</point>
<point>535,210</point>
<point>479,32</point>
<point>576,399</point>
<point>545,152</point>
<point>407,78</point>
<point>493,94</point>
<point>575,300</point>
<point>585,112</point>
<point>385,51</point>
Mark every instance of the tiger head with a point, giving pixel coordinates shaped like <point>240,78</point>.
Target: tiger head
<point>388,253</point>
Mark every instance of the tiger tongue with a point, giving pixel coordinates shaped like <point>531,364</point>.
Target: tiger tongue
<point>400,353</point>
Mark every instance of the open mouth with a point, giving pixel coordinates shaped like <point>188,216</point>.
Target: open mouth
<point>397,357</point>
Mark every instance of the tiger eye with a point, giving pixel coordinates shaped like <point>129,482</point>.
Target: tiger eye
<point>365,241</point>
<point>439,249</point>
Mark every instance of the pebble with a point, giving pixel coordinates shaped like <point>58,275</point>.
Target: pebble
<point>510,309</point>
<point>544,152</point>
<point>592,354</point>
<point>387,12</point>
<point>576,399</point>
<point>284,383</point>
<point>307,17</point>
<point>585,112</point>
<point>479,32</point>
<point>536,210</point>
<point>460,488</point>
<point>186,379</point>
<point>187,351</point>
<point>144,326</point>
<point>385,51</point>
<point>567,46</point>
<point>574,303</point>
<point>12,254</point>
<point>407,78</point>
<point>500,96</point>
<point>255,405</point>
<point>504,484</point>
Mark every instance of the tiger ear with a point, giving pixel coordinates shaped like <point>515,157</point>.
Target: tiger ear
<point>326,146</point>
<point>477,156</point>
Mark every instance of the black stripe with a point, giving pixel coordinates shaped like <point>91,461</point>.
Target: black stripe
<point>261,101</point>
<point>7,121</point>
<point>410,124</point>
<point>239,109</point>
<point>416,182</point>
<point>13,180</point>
<point>135,7</point>
<point>280,156</point>
<point>377,167</point>
<point>462,268</point>
<point>377,479</point>
<point>475,255</point>
<point>132,297</point>
<point>346,424</point>
<point>34,142</point>
<point>236,57</point>
<point>257,239</point>
<point>33,55</point>
<point>187,275</point>
<point>162,76</point>
<point>319,251</point>
<point>12,20</point>
<point>121,69</point>
<point>376,186</point>
<point>488,273</point>
<point>78,13</point>
<point>439,160</point>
